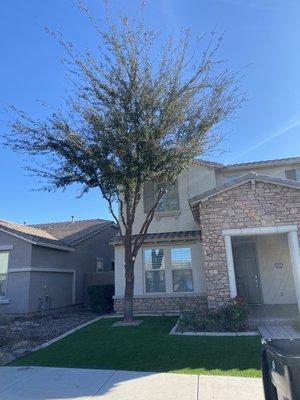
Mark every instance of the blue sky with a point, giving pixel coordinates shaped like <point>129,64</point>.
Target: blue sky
<point>261,37</point>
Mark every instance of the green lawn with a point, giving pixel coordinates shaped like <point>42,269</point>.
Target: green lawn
<point>149,347</point>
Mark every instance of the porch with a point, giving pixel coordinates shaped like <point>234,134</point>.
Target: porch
<point>264,267</point>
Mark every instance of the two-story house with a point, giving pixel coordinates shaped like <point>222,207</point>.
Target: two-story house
<point>219,232</point>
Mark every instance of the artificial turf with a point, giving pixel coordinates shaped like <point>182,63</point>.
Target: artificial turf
<point>149,347</point>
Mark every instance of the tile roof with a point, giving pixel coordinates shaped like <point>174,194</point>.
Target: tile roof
<point>60,234</point>
<point>211,164</point>
<point>165,236</point>
<point>72,232</point>
<point>278,161</point>
<point>27,231</point>
<point>194,201</point>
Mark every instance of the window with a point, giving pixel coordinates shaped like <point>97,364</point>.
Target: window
<point>168,269</point>
<point>293,174</point>
<point>182,274</point>
<point>99,265</point>
<point>154,270</point>
<point>3,272</point>
<point>169,201</point>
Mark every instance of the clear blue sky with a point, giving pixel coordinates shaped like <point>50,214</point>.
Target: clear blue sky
<point>263,35</point>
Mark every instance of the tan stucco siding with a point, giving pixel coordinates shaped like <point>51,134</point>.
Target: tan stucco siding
<point>139,286</point>
<point>197,179</point>
<point>278,172</point>
<point>277,283</point>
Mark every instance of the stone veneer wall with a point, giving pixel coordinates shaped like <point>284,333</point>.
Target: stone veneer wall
<point>163,304</point>
<point>253,204</point>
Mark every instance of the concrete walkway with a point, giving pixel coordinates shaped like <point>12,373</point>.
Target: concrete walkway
<point>38,383</point>
<point>278,332</point>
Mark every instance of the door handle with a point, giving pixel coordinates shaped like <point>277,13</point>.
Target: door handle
<point>256,280</point>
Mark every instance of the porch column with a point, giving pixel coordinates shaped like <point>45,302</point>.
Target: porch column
<point>295,259</point>
<point>230,267</point>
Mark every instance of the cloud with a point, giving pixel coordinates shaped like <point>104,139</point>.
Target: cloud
<point>267,140</point>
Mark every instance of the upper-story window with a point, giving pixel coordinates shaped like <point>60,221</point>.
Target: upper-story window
<point>3,272</point>
<point>293,174</point>
<point>169,202</point>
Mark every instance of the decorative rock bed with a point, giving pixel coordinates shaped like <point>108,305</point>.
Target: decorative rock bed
<point>20,335</point>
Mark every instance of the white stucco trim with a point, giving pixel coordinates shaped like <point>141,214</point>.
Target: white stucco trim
<point>6,247</point>
<point>265,230</point>
<point>295,259</point>
<point>230,267</point>
<point>293,242</point>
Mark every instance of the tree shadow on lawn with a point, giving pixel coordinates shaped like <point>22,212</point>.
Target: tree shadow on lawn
<point>149,347</point>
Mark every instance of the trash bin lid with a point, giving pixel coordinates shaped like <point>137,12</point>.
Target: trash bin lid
<point>284,347</point>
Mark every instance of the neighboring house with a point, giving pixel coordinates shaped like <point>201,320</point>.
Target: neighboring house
<point>43,266</point>
<point>220,231</point>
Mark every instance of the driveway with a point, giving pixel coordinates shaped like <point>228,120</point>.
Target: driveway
<point>40,383</point>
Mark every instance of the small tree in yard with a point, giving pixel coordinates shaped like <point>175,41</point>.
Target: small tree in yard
<point>139,112</point>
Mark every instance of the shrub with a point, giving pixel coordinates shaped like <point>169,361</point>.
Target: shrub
<point>231,317</point>
<point>235,315</point>
<point>101,298</point>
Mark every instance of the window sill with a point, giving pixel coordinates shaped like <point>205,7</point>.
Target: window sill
<point>161,214</point>
<point>4,301</point>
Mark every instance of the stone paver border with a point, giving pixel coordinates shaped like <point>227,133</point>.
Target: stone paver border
<point>174,332</point>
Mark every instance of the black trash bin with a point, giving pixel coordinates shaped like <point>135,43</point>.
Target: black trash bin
<point>281,369</point>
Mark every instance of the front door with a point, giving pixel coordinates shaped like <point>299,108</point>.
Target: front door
<point>246,272</point>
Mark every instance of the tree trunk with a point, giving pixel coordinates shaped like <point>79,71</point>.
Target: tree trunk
<point>129,288</point>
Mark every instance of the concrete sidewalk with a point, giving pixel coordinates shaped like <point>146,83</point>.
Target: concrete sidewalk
<point>40,383</point>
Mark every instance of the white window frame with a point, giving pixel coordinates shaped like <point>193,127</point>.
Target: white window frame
<point>168,268</point>
<point>152,269</point>
<point>6,280</point>
<point>182,269</point>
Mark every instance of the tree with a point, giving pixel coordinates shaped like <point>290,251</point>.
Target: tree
<point>139,112</point>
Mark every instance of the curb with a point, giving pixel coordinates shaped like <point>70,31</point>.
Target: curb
<point>43,345</point>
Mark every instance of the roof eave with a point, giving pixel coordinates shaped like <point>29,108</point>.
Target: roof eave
<point>101,229</point>
<point>38,242</point>
<point>252,176</point>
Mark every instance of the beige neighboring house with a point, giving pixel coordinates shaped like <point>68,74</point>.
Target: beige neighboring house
<point>221,231</point>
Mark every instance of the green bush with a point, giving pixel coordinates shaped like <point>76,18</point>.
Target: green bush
<point>101,298</point>
<point>232,317</point>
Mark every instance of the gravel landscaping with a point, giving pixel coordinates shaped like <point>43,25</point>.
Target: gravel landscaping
<point>19,335</point>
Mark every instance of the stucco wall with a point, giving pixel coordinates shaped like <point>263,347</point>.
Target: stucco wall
<point>83,259</point>
<point>25,288</point>
<point>278,172</point>
<point>139,287</point>
<point>262,204</point>
<point>58,286</point>
<point>277,283</point>
<point>85,256</point>
<point>191,182</point>
<point>17,282</point>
